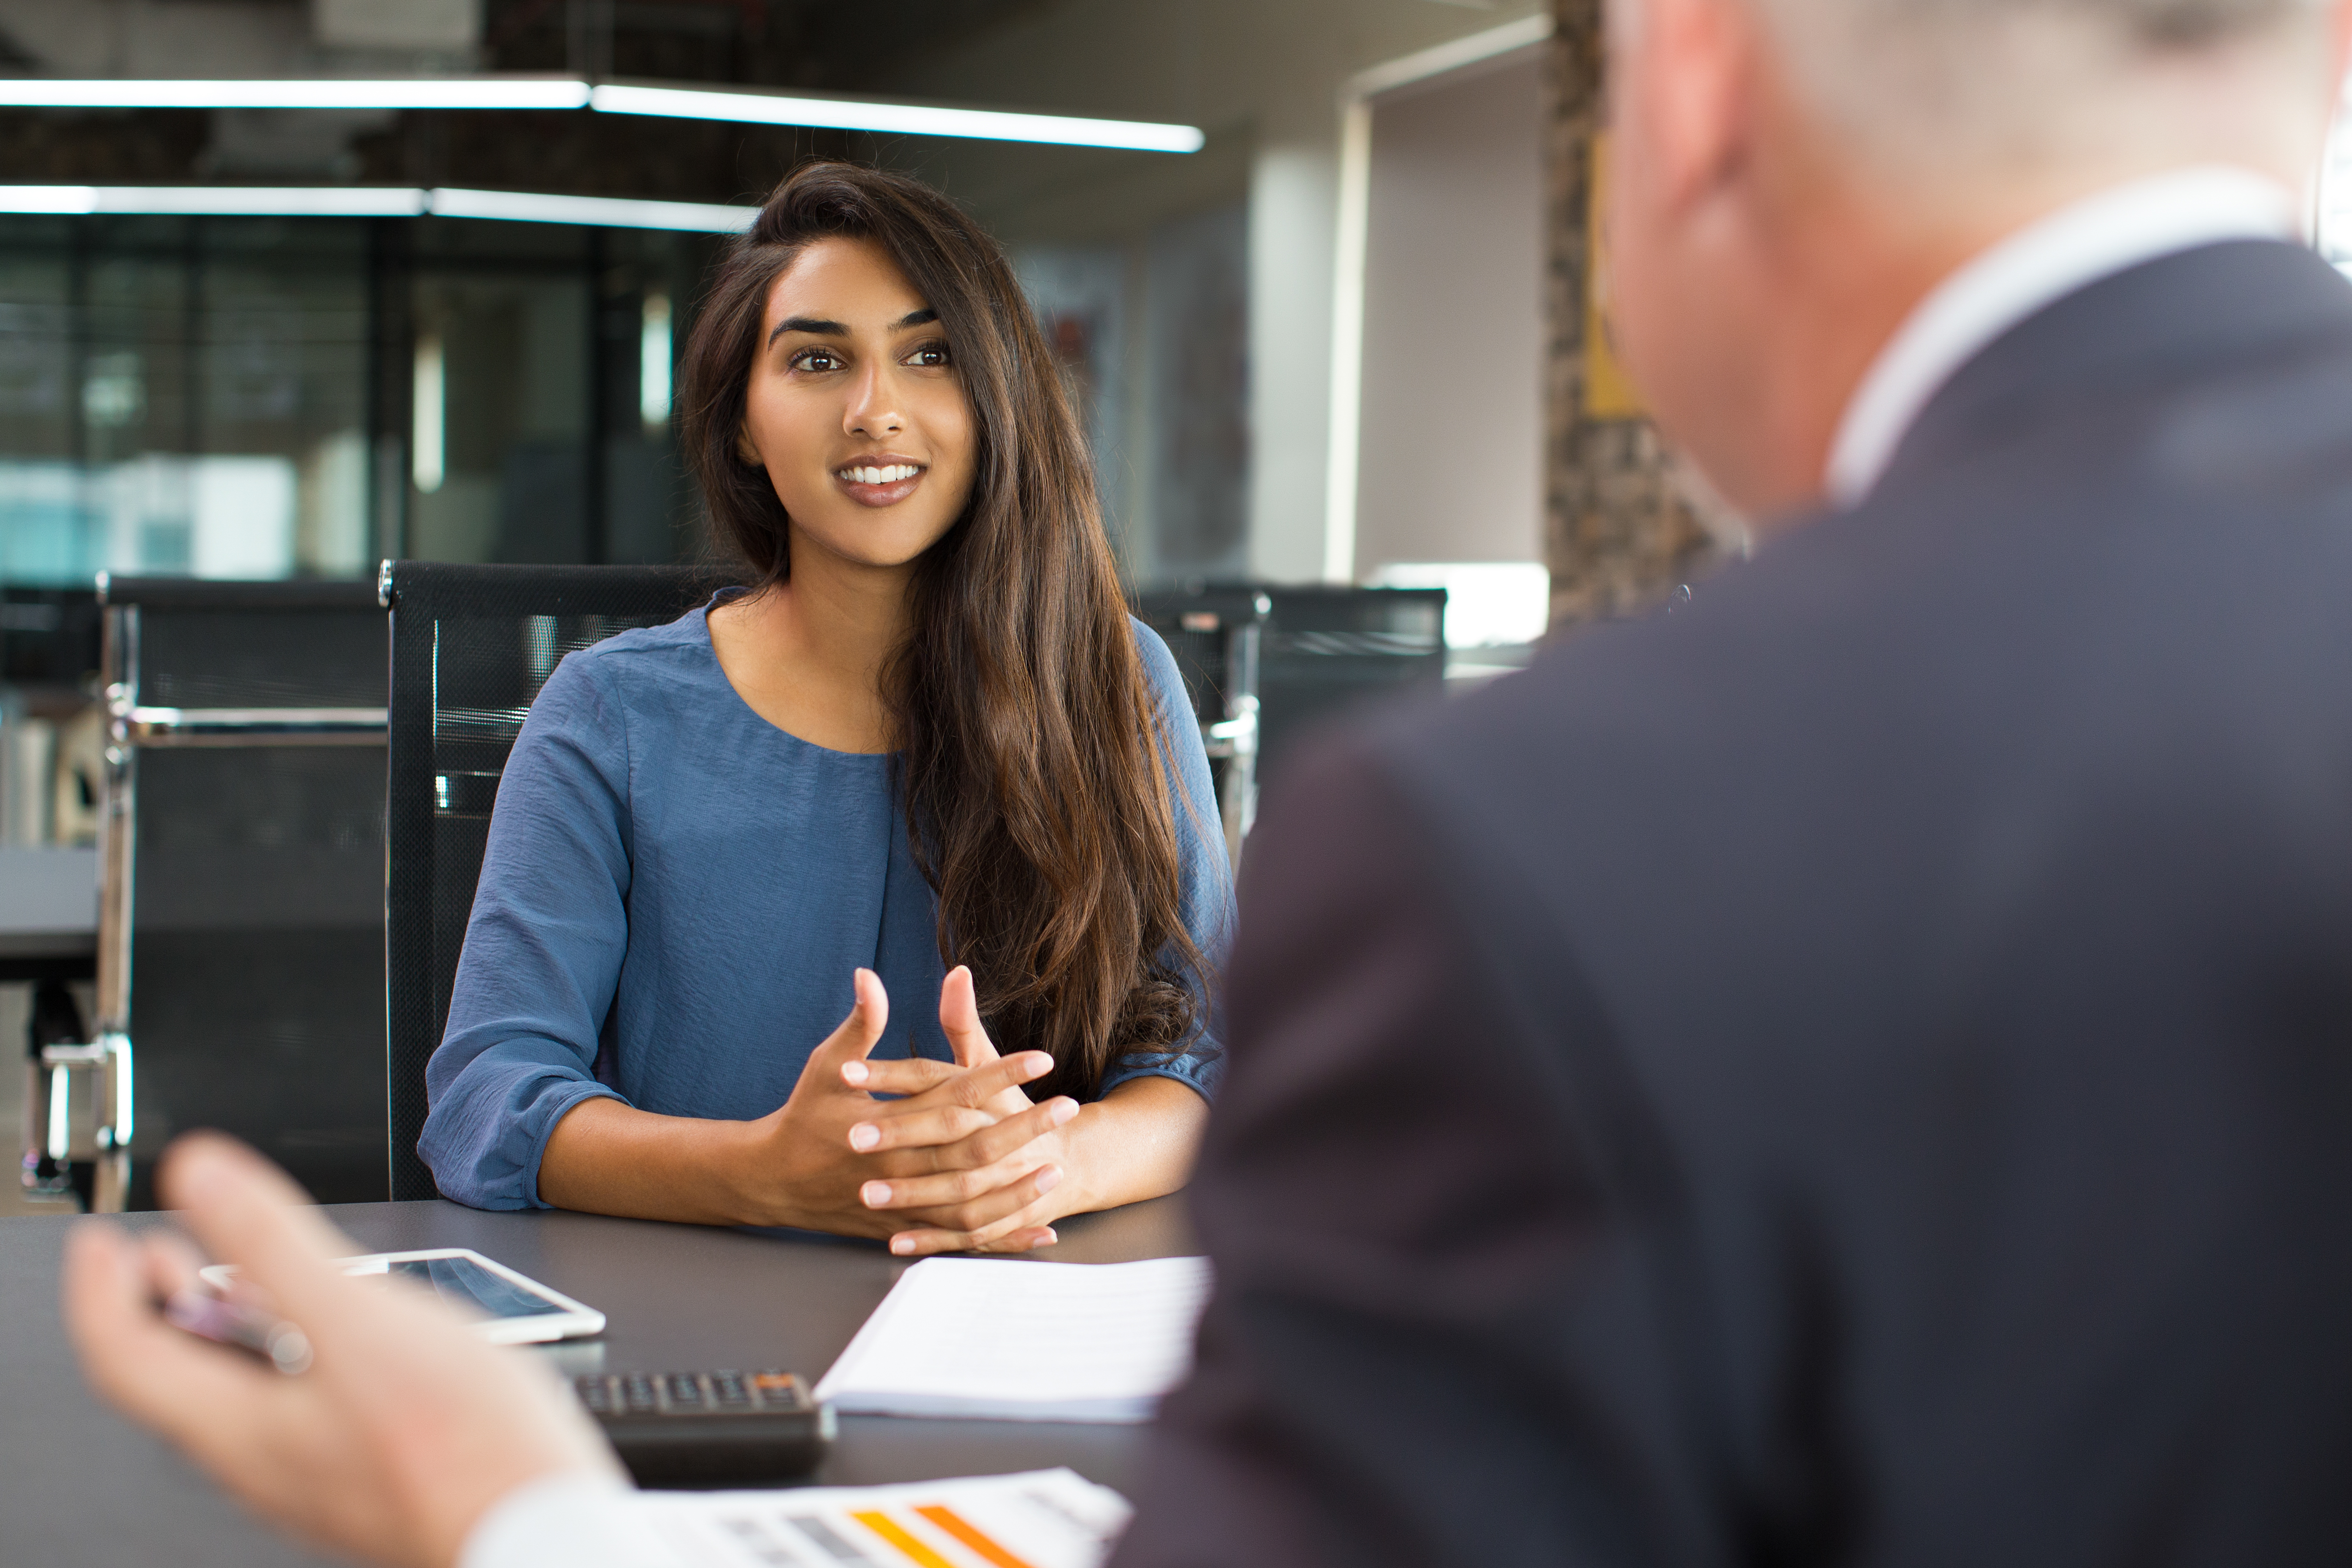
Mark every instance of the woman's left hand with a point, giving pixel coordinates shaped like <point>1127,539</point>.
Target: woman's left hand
<point>960,1197</point>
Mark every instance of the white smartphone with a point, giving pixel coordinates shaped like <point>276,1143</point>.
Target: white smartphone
<point>513,1309</point>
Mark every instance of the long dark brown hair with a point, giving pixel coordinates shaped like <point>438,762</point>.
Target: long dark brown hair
<point>1029,749</point>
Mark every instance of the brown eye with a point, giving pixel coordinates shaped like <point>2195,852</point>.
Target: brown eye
<point>816,360</point>
<point>933,355</point>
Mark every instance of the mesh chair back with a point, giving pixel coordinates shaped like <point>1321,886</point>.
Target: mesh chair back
<point>247,959</point>
<point>1327,650</point>
<point>1214,634</point>
<point>1198,625</point>
<point>1322,651</point>
<point>471,645</point>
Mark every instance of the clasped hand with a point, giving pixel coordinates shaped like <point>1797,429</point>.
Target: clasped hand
<point>962,1161</point>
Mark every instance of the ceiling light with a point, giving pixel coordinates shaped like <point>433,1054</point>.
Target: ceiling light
<point>749,107</point>
<point>407,92</point>
<point>218,201</point>
<point>595,212</point>
<point>375,201</point>
<point>902,119</point>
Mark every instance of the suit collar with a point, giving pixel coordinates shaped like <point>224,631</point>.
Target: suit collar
<point>2184,314</point>
<point>2098,237</point>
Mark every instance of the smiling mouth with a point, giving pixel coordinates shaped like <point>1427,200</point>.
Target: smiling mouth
<point>886,474</point>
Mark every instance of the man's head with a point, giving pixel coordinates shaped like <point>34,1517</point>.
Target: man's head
<point>1793,176</point>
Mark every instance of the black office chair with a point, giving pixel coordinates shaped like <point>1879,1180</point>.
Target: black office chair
<point>240,917</point>
<point>471,645</point>
<point>1319,652</point>
<point>1216,634</point>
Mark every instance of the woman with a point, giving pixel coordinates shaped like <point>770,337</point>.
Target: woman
<point>929,735</point>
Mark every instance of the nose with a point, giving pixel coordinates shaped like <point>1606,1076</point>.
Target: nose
<point>873,409</point>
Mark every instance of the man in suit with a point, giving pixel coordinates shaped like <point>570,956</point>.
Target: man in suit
<point>1858,1070</point>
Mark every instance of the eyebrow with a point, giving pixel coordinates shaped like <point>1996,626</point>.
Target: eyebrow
<point>823,329</point>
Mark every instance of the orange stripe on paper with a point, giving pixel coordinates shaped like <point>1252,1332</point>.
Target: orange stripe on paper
<point>913,1550</point>
<point>955,1524</point>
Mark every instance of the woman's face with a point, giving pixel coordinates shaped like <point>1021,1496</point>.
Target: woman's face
<point>856,410</point>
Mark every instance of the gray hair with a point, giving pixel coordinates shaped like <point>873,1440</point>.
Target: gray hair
<point>1925,83</point>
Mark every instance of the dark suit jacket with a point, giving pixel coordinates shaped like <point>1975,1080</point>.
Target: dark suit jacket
<point>1859,1070</point>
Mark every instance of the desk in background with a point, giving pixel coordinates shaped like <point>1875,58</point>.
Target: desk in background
<point>48,913</point>
<point>80,1487</point>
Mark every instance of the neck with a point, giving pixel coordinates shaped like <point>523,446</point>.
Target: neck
<point>1850,281</point>
<point>839,621</point>
<point>1842,305</point>
<point>843,619</point>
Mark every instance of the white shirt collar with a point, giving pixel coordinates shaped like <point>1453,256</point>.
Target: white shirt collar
<point>2111,232</point>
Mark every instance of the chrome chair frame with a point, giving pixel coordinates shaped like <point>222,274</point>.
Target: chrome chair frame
<point>1234,739</point>
<point>132,728</point>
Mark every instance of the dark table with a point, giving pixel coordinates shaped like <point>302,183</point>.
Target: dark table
<point>80,1485</point>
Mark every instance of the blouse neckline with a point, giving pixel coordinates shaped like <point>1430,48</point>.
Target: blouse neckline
<point>705,647</point>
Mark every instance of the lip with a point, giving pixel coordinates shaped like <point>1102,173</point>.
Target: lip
<point>880,495</point>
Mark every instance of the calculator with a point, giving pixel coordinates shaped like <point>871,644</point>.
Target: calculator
<point>708,1428</point>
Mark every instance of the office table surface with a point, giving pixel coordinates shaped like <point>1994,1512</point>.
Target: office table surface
<point>78,1485</point>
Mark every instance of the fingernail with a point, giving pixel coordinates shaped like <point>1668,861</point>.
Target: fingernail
<point>1062,1111</point>
<point>874,1193</point>
<point>855,1071</point>
<point>864,1136</point>
<point>1038,1062</point>
<point>1051,1236</point>
<point>1049,1178</point>
<point>902,1244</point>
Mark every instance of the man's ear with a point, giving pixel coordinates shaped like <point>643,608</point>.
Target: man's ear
<point>1699,62</point>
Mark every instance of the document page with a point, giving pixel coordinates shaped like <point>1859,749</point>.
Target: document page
<point>1002,1338</point>
<point>1045,1519</point>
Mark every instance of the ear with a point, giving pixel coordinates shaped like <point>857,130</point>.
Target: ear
<point>1689,73</point>
<point>745,452</point>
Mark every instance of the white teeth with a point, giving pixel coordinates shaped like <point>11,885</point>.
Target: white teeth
<point>890,476</point>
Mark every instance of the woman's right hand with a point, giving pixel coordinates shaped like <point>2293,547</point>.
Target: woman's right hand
<point>809,1170</point>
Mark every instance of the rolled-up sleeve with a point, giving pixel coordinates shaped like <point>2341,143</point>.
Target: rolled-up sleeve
<point>1206,887</point>
<point>543,949</point>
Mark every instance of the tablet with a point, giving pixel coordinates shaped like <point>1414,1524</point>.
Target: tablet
<point>512,1308</point>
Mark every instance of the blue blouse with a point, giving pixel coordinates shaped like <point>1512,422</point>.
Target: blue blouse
<point>675,893</point>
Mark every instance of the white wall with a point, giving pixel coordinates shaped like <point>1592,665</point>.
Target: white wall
<point>1264,79</point>
<point>1450,464</point>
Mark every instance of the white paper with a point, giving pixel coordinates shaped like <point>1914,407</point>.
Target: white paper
<point>1002,1338</point>
<point>1045,1519</point>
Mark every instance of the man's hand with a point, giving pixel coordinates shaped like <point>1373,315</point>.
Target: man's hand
<point>405,1431</point>
<point>832,1143</point>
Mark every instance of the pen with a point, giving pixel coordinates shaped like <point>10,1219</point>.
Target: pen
<point>271,1338</point>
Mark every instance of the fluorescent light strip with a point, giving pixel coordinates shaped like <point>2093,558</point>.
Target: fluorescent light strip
<point>750,107</point>
<point>596,211</point>
<point>411,93</point>
<point>375,201</point>
<point>903,119</point>
<point>218,201</point>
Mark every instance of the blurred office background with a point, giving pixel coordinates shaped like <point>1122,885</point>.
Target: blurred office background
<point>1352,338</point>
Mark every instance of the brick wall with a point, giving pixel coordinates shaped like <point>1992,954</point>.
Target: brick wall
<point>1621,532</point>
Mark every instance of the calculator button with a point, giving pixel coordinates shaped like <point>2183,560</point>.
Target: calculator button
<point>638,1391</point>
<point>683,1388</point>
<point>730,1390</point>
<point>778,1390</point>
<point>595,1393</point>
